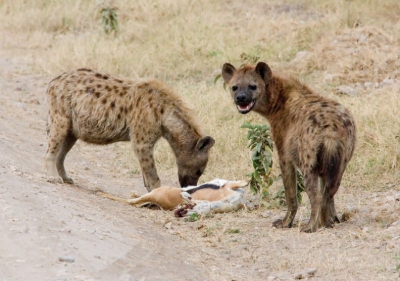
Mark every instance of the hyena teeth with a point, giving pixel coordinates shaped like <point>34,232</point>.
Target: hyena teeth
<point>245,107</point>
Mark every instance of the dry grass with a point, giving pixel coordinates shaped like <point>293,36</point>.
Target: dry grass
<point>184,43</point>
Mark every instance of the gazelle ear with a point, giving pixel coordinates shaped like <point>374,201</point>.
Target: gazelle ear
<point>235,184</point>
<point>264,71</point>
<point>205,143</point>
<point>228,71</point>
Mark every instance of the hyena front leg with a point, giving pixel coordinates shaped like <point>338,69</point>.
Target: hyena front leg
<point>60,142</point>
<point>289,182</point>
<point>144,153</point>
<point>312,190</point>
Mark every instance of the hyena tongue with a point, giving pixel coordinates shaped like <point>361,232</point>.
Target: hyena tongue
<point>244,107</point>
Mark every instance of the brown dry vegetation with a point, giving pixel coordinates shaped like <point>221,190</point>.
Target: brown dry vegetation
<point>327,44</point>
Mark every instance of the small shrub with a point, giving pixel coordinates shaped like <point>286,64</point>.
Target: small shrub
<point>193,217</point>
<point>208,232</point>
<point>397,257</point>
<point>109,18</point>
<point>232,230</point>
<point>280,195</point>
<point>261,144</point>
<point>246,59</point>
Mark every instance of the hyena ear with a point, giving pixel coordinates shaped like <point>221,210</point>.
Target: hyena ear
<point>264,71</point>
<point>227,72</point>
<point>205,143</point>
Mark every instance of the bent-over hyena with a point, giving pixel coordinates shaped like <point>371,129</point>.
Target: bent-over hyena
<point>312,133</point>
<point>101,109</point>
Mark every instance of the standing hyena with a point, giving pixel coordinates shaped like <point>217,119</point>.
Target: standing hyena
<point>311,133</point>
<point>101,109</point>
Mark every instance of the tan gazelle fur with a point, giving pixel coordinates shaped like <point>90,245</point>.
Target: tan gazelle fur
<point>228,195</point>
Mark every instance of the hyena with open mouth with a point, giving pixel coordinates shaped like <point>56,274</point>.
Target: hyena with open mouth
<point>312,133</point>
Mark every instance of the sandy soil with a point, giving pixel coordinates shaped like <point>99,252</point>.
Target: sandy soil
<point>65,232</point>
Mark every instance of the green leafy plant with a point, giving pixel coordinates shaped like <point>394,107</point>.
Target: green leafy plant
<point>208,232</point>
<point>110,20</point>
<point>193,217</point>
<point>280,195</point>
<point>232,230</point>
<point>261,144</point>
<point>246,59</point>
<point>300,186</point>
<point>397,257</point>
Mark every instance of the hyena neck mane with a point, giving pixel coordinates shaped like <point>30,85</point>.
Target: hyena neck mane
<point>178,125</point>
<point>180,129</point>
<point>278,91</point>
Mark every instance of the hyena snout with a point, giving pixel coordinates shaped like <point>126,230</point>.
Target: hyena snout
<point>243,98</point>
<point>185,181</point>
<point>244,101</point>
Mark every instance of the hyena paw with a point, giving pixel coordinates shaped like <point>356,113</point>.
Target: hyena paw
<point>336,219</point>
<point>278,224</point>
<point>281,224</point>
<point>331,221</point>
<point>329,224</point>
<point>55,179</point>
<point>68,180</point>
<point>309,228</point>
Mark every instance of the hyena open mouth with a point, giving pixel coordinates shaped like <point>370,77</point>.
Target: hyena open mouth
<point>245,107</point>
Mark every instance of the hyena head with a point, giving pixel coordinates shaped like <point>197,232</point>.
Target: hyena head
<point>247,84</point>
<point>191,164</point>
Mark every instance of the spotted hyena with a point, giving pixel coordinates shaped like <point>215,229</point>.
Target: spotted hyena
<point>312,133</point>
<point>100,109</point>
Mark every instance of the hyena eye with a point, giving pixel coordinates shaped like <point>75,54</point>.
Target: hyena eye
<point>252,87</point>
<point>234,88</point>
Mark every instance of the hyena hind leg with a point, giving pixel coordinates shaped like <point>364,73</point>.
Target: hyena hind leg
<point>66,146</point>
<point>312,190</point>
<point>328,212</point>
<point>58,147</point>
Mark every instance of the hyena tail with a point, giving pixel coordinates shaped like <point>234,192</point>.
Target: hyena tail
<point>48,125</point>
<point>331,161</point>
<point>47,102</point>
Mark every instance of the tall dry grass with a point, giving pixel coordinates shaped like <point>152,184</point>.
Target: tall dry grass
<point>184,43</point>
